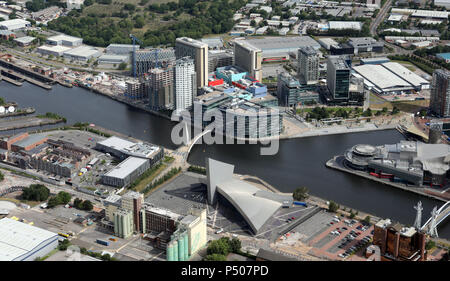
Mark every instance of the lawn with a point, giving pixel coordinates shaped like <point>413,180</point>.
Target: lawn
<point>148,180</point>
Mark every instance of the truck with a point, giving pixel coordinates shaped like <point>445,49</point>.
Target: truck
<point>300,203</point>
<point>102,242</point>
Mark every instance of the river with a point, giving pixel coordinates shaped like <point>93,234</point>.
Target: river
<point>299,162</point>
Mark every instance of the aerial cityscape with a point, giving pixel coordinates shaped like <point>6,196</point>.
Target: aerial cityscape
<point>224,130</point>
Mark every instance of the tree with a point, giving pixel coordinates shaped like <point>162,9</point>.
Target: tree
<point>300,194</point>
<point>221,247</point>
<point>235,245</point>
<point>122,66</point>
<point>367,220</point>
<point>333,207</point>
<point>77,203</point>
<point>215,257</point>
<point>64,197</point>
<point>87,205</point>
<point>53,202</point>
<point>36,192</point>
<point>430,245</point>
<point>64,245</point>
<point>2,177</point>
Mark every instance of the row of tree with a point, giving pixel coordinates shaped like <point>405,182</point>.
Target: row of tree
<point>219,249</point>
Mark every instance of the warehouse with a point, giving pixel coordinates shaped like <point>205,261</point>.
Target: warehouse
<point>126,172</point>
<point>56,51</point>
<point>418,82</point>
<point>121,49</point>
<point>112,59</point>
<point>338,25</point>
<point>279,48</point>
<point>22,242</point>
<point>64,40</point>
<point>382,79</point>
<point>83,53</point>
<point>15,24</point>
<point>25,41</point>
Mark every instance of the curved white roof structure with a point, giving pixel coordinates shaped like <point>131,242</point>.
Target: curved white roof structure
<point>242,195</point>
<point>382,78</point>
<point>255,205</point>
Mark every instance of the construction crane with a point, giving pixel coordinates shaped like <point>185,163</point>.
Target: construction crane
<point>133,67</point>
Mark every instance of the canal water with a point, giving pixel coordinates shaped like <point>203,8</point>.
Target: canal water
<point>299,162</point>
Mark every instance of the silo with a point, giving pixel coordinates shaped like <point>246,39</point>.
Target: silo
<point>180,248</point>
<point>175,250</point>
<point>186,246</point>
<point>169,251</point>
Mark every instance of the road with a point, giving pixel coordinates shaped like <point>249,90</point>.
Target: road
<point>380,17</point>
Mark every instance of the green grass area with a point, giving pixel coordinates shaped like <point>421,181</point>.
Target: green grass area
<point>17,201</point>
<point>414,106</point>
<point>142,182</point>
<point>54,251</point>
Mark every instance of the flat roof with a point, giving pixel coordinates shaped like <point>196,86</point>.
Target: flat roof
<point>405,73</point>
<point>116,143</point>
<point>83,51</point>
<point>9,23</point>
<point>18,238</point>
<point>381,77</point>
<point>31,139</point>
<point>64,37</point>
<point>58,49</point>
<point>126,167</point>
<point>273,43</point>
<point>345,25</point>
<point>25,39</point>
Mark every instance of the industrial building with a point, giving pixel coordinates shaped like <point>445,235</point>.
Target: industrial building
<point>64,40</point>
<point>340,25</point>
<point>399,243</point>
<point>82,53</point>
<point>14,24</point>
<point>126,172</point>
<point>248,57</point>
<point>308,65</point>
<point>123,223</point>
<point>412,162</point>
<point>113,59</point>
<point>121,49</point>
<point>442,3</point>
<point>280,48</point>
<point>23,242</point>
<point>383,80</point>
<point>415,80</point>
<point>440,93</point>
<point>56,51</point>
<point>198,51</point>
<point>24,41</point>
<point>255,205</point>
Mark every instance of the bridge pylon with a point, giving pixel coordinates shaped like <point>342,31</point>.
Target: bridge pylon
<point>418,221</point>
<point>432,231</point>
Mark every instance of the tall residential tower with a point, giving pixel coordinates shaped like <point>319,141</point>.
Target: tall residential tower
<point>185,83</point>
<point>440,93</point>
<point>198,51</point>
<point>248,58</point>
<point>308,65</point>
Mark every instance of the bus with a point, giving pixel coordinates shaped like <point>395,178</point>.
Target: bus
<point>63,235</point>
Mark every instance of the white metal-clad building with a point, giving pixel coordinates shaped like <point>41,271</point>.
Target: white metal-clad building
<point>418,82</point>
<point>14,24</point>
<point>121,49</point>
<point>82,53</point>
<point>22,242</point>
<point>356,25</point>
<point>383,80</point>
<point>112,59</point>
<point>56,51</point>
<point>65,40</point>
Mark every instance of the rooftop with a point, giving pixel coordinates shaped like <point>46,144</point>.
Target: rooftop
<point>17,238</point>
<point>31,139</point>
<point>268,43</point>
<point>63,37</point>
<point>126,167</point>
<point>381,77</point>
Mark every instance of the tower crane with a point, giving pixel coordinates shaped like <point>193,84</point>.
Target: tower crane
<point>133,67</point>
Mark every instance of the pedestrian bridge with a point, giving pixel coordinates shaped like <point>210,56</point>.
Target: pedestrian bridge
<point>438,216</point>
